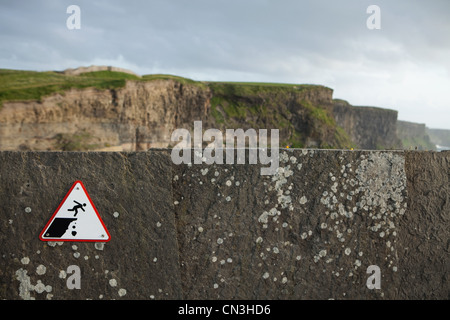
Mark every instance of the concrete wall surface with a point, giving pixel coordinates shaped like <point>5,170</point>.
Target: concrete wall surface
<point>329,224</point>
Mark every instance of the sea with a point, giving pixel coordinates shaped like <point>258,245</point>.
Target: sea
<point>442,148</point>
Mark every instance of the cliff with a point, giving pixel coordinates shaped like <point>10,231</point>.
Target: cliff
<point>414,135</point>
<point>439,137</point>
<point>368,127</point>
<point>140,115</point>
<point>99,108</point>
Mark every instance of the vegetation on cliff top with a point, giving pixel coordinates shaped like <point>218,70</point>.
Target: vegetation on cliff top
<point>17,85</point>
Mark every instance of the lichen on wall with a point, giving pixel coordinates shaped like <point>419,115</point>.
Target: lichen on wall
<point>325,217</point>
<point>313,230</point>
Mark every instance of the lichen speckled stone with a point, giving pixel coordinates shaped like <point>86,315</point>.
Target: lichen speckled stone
<point>310,231</point>
<point>136,185</point>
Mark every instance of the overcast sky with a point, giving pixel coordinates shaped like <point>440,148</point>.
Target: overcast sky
<point>404,66</point>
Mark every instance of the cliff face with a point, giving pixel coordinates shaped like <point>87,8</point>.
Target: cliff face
<point>439,137</point>
<point>414,135</point>
<point>136,117</point>
<point>144,112</point>
<point>301,113</point>
<point>368,127</point>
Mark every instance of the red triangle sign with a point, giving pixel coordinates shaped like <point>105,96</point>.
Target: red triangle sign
<point>76,219</point>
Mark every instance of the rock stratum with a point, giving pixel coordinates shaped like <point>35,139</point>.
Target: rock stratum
<point>311,231</point>
<point>106,108</point>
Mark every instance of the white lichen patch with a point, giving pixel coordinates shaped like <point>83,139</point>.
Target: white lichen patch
<point>113,282</point>
<point>371,188</point>
<point>122,292</point>
<point>25,260</point>
<point>25,286</point>
<point>99,246</point>
<point>303,200</point>
<point>41,269</point>
<point>41,287</point>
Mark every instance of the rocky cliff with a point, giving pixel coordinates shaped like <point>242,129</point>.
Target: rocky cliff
<point>439,137</point>
<point>414,135</point>
<point>368,127</point>
<point>141,115</point>
<point>134,113</point>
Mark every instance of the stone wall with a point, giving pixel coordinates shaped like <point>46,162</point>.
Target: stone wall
<point>310,231</point>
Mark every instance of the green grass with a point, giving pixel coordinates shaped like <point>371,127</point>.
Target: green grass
<point>319,113</point>
<point>17,85</point>
<point>254,88</point>
<point>30,85</point>
<point>74,142</point>
<point>419,142</point>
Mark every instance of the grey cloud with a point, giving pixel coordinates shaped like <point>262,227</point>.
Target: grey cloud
<point>312,41</point>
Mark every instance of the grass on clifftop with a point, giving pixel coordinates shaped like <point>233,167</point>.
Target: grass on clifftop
<point>16,85</point>
<point>253,88</point>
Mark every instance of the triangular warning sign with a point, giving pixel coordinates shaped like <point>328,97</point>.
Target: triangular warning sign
<point>76,219</point>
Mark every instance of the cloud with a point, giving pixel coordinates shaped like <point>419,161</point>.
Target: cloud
<point>403,66</point>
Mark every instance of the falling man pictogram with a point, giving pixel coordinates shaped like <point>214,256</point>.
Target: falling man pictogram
<point>78,206</point>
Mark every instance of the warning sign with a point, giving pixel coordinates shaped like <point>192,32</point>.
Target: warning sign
<point>76,219</point>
